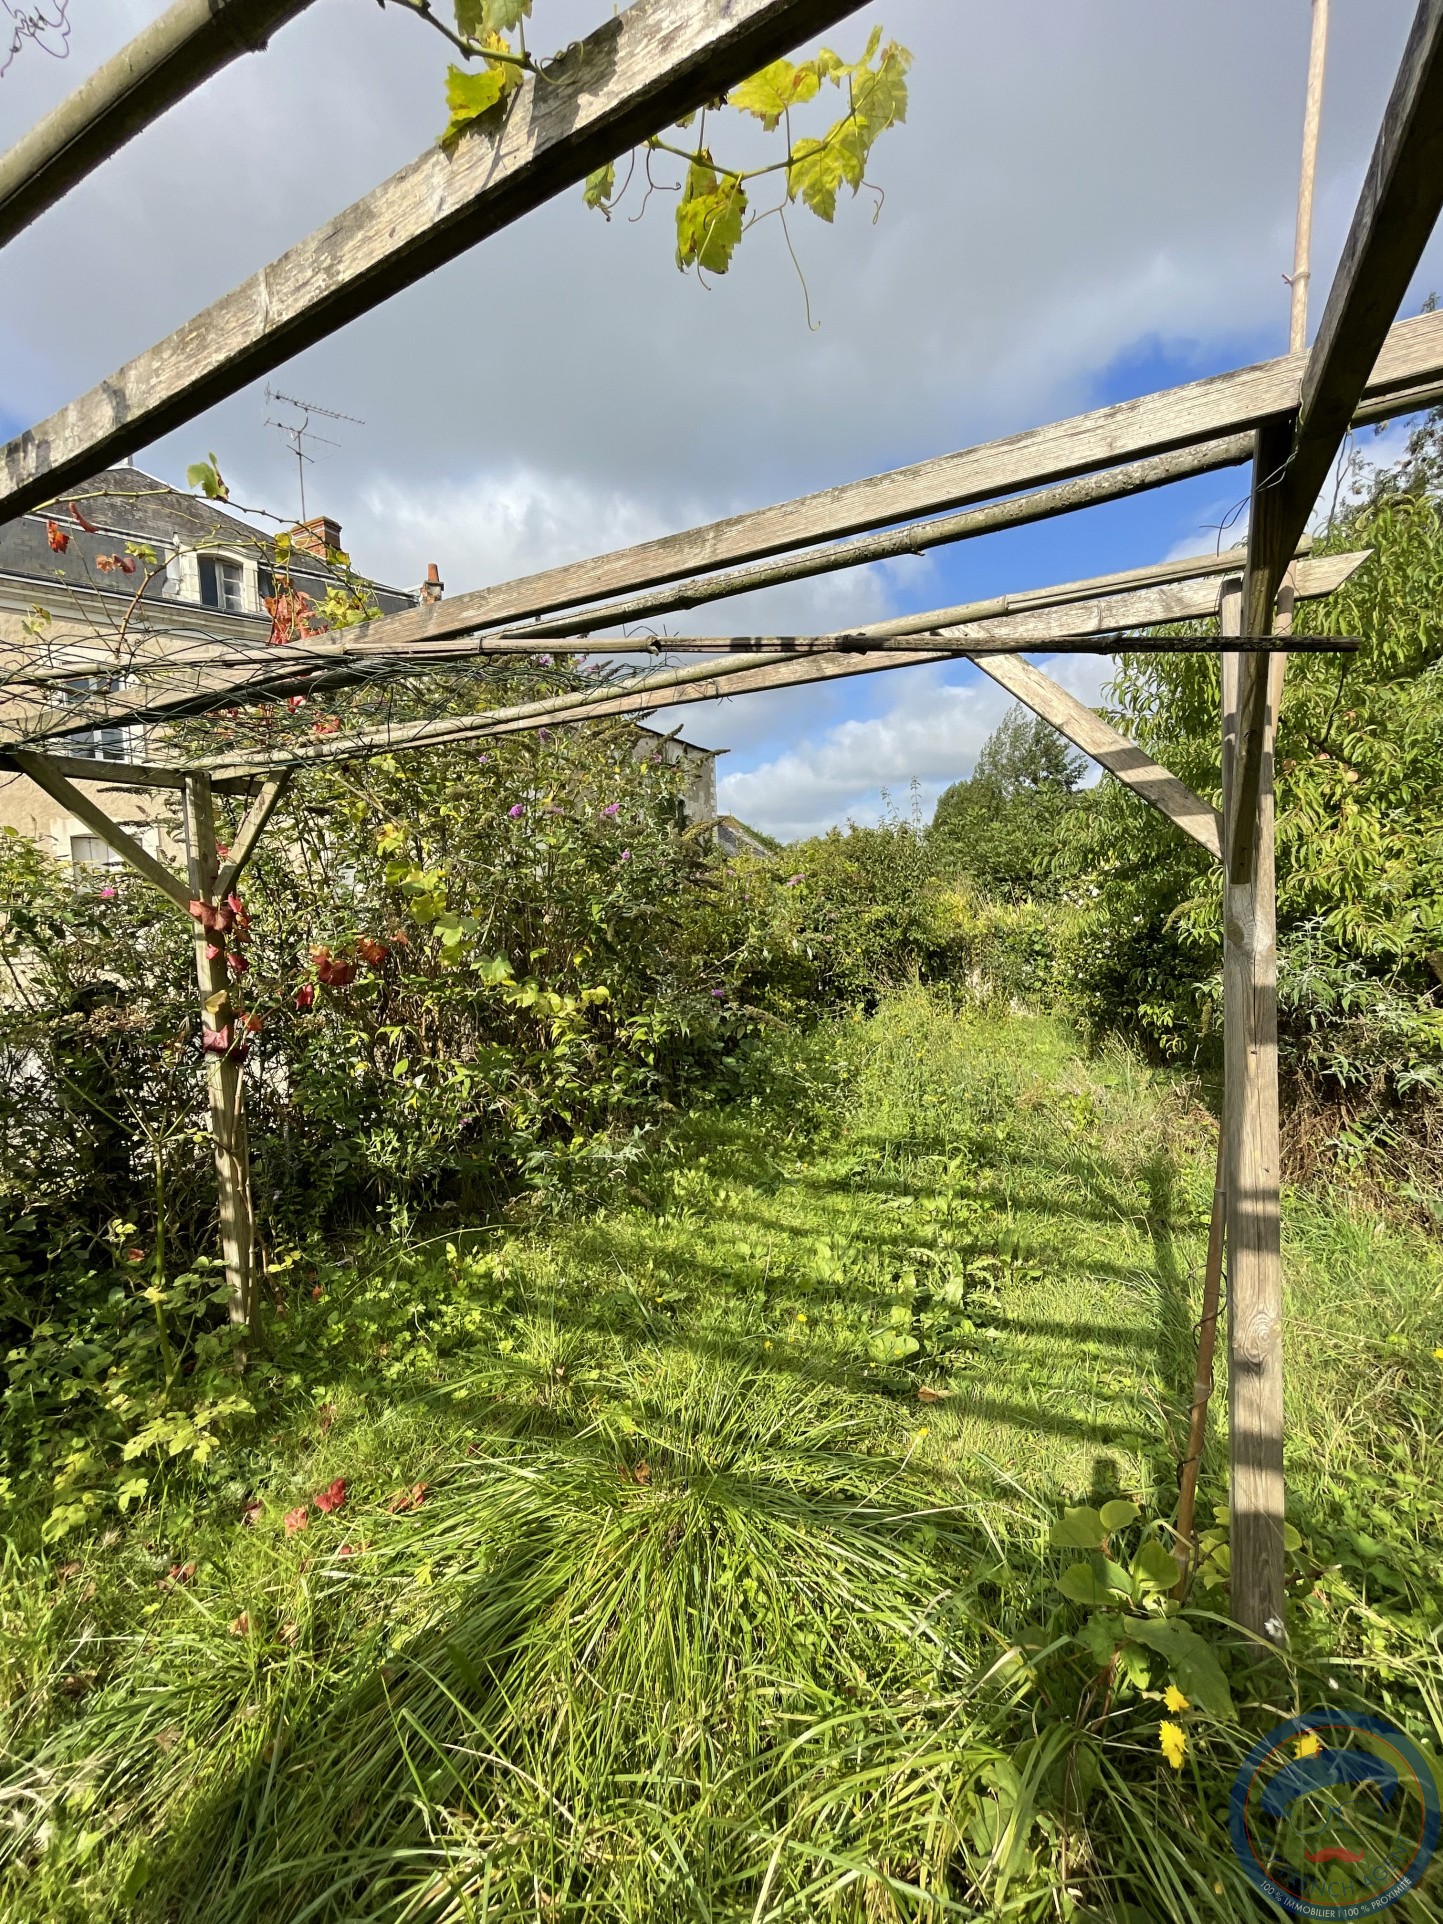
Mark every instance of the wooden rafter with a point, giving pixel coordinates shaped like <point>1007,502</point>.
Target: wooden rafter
<point>1222,405</point>
<point>86,768</point>
<point>1396,213</point>
<point>649,66</point>
<point>170,58</point>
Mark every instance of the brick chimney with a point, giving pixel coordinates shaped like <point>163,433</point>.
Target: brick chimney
<point>433,587</point>
<point>318,536</point>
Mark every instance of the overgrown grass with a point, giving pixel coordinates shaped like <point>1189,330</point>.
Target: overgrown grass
<point>693,1560</point>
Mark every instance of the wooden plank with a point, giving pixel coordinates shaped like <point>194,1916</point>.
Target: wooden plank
<point>1119,756</point>
<point>1065,633</point>
<point>1267,559</point>
<point>87,768</point>
<point>635,75</point>
<point>252,827</point>
<point>1109,484</point>
<point>170,58</point>
<point>225,1093</point>
<point>708,681</point>
<point>1397,211</point>
<point>1251,1183</point>
<point>85,809</point>
<point>1223,405</point>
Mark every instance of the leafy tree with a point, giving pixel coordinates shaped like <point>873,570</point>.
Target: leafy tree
<point>1001,829</point>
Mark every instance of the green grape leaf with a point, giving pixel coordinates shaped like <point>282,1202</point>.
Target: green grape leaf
<point>769,94</point>
<point>814,175</point>
<point>1080,1529</point>
<point>1155,1567</point>
<point>709,218</point>
<point>471,96</point>
<point>1117,1514</point>
<point>478,18</point>
<point>206,476</point>
<point>600,186</point>
<point>1192,1660</point>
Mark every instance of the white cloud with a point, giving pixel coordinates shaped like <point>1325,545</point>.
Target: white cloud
<point>492,527</point>
<point>930,735</point>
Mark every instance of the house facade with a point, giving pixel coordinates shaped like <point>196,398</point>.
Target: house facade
<point>127,570</point>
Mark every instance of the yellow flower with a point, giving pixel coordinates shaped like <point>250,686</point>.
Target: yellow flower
<point>1307,1745</point>
<point>1175,1700</point>
<point>1439,1354</point>
<point>1172,1739</point>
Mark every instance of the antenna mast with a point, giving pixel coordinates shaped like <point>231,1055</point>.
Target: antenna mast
<point>298,433</point>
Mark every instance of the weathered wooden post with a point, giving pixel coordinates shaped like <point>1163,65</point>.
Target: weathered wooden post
<point>1251,1175</point>
<point>222,1038</point>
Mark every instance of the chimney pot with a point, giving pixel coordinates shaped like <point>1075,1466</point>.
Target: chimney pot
<point>319,536</point>
<point>433,587</point>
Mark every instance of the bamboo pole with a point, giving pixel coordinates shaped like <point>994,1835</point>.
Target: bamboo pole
<point>224,1088</point>
<point>1302,272</point>
<point>1202,1387</point>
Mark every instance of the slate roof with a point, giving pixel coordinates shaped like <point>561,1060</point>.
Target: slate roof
<point>128,505</point>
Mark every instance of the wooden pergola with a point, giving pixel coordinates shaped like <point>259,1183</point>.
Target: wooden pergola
<point>641,71</point>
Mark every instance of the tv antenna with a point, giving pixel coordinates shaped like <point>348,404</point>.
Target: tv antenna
<point>300,433</point>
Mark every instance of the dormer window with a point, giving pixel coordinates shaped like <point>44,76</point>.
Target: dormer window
<point>222,584</point>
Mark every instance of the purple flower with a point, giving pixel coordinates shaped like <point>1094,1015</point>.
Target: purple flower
<point>718,995</point>
<point>543,661</point>
<point>543,734</point>
<point>516,810</point>
<point>481,760</point>
<point>107,895</point>
<point>613,809</point>
<point>626,855</point>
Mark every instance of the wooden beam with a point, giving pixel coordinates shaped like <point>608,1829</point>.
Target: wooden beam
<point>1065,629</point>
<point>1109,484</point>
<point>225,1091</point>
<point>708,681</point>
<point>1395,216</point>
<point>1222,405</point>
<point>1251,1184</point>
<point>85,809</point>
<point>632,77</point>
<point>252,827</point>
<point>1120,757</point>
<point>86,768</point>
<point>191,40</point>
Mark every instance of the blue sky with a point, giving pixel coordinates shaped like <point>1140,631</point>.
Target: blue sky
<point>1091,199</point>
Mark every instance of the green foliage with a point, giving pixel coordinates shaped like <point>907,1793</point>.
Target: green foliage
<point>713,207</point>
<point>649,1588</point>
<point>206,476</point>
<point>1003,829</point>
<point>709,217</point>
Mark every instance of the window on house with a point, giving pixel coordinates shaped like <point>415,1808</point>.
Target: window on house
<point>222,584</point>
<point>106,743</point>
<point>99,744</point>
<point>88,851</point>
